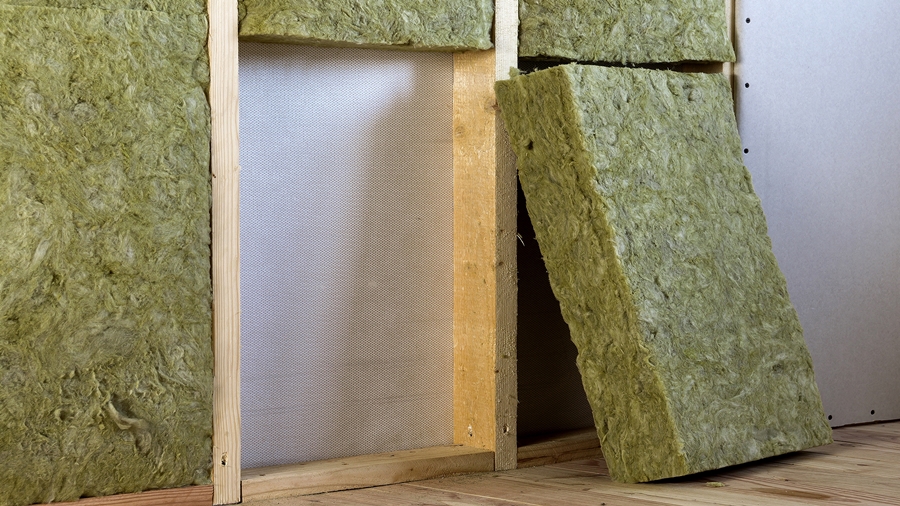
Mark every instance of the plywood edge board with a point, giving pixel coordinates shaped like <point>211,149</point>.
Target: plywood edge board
<point>363,471</point>
<point>563,447</point>
<point>185,496</point>
<point>484,249</point>
<point>223,98</point>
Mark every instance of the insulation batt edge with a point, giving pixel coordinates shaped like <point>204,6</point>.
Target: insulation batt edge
<point>691,354</point>
<point>105,291</point>
<point>427,25</point>
<point>649,31</point>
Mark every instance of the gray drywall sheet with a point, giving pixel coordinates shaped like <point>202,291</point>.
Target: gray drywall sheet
<point>819,116</point>
<point>347,252</point>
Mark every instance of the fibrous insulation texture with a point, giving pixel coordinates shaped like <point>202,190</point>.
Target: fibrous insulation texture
<point>169,6</point>
<point>105,296</point>
<point>690,351</point>
<point>625,31</point>
<point>434,25</point>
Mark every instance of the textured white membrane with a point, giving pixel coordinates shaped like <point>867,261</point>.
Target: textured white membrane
<point>346,252</point>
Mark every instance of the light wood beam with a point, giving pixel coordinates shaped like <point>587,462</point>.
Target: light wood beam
<point>364,471</point>
<point>223,98</point>
<point>186,496</point>
<point>573,445</point>
<point>485,249</point>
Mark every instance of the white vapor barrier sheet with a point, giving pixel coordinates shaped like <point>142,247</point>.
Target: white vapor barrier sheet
<point>819,116</point>
<point>346,252</point>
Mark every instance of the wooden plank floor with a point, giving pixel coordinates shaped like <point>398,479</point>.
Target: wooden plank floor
<point>861,467</point>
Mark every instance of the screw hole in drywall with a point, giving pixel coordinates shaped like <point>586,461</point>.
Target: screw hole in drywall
<point>829,417</point>
<point>746,85</point>
<point>873,411</point>
<point>747,20</point>
<point>746,151</point>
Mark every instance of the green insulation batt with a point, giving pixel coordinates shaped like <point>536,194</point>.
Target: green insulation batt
<point>690,351</point>
<point>170,6</point>
<point>435,25</point>
<point>105,296</point>
<point>625,31</point>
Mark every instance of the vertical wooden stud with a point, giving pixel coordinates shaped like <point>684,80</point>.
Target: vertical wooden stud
<point>223,98</point>
<point>485,249</point>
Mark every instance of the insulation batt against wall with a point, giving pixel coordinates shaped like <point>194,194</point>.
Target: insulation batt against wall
<point>633,32</point>
<point>105,299</point>
<point>403,24</point>
<point>690,351</point>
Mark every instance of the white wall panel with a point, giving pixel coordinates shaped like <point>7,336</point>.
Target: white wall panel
<point>819,115</point>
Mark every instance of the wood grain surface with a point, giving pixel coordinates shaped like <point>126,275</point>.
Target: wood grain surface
<point>484,249</point>
<point>363,471</point>
<point>862,466</point>
<point>223,100</point>
<point>186,496</point>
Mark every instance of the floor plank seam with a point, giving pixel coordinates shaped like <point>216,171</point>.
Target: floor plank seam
<point>492,498</point>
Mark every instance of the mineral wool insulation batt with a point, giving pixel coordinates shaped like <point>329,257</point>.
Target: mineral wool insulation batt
<point>105,297</point>
<point>634,32</point>
<point>402,24</point>
<point>690,351</point>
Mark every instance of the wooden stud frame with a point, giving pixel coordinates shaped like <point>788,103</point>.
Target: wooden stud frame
<point>484,284</point>
<point>223,99</point>
<point>484,398</point>
<point>484,249</point>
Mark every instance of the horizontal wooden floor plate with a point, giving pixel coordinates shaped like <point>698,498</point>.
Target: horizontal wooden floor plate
<point>185,496</point>
<point>363,471</point>
<point>574,445</point>
<point>861,472</point>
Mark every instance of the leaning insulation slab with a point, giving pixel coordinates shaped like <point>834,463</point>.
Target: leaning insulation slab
<point>626,32</point>
<point>399,24</point>
<point>105,298</point>
<point>690,351</point>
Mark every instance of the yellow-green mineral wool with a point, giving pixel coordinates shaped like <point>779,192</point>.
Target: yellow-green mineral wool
<point>690,351</point>
<point>169,6</point>
<point>105,298</point>
<point>625,31</point>
<point>435,25</point>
